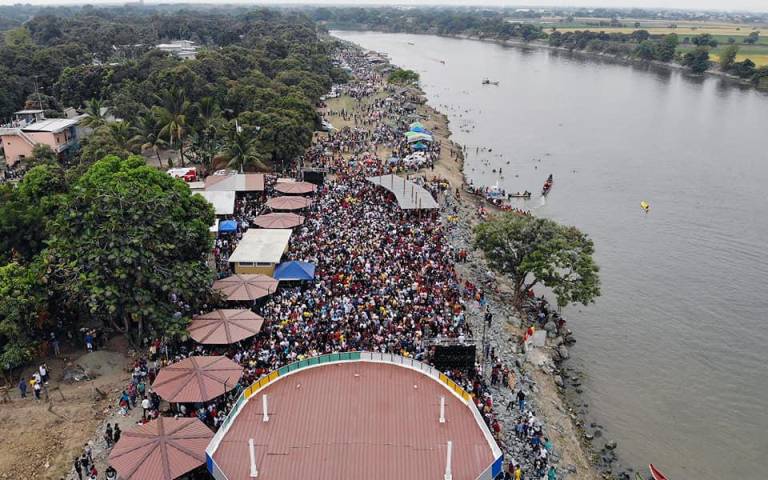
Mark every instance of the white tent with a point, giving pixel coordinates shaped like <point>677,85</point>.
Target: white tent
<point>223,202</point>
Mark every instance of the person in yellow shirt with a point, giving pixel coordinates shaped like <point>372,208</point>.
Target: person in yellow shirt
<point>518,473</point>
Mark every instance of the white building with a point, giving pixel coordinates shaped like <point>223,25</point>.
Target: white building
<point>184,49</point>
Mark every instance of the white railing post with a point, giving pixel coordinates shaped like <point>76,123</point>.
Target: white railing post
<point>264,406</point>
<point>254,471</point>
<point>448,475</point>
<point>442,409</point>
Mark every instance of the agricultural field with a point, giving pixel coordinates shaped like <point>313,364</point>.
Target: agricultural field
<point>722,32</point>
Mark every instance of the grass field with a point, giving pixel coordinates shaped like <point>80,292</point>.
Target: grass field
<point>722,32</point>
<point>756,53</point>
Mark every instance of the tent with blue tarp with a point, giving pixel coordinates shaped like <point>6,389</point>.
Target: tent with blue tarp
<point>294,271</point>
<point>228,226</point>
<point>419,146</point>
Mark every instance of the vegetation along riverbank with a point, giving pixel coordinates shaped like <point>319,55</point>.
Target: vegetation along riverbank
<point>739,52</point>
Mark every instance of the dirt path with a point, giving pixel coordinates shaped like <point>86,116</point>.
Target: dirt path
<point>40,439</point>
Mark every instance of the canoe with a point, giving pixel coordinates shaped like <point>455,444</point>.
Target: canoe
<point>656,474</point>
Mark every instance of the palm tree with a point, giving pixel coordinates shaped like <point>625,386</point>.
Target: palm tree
<point>122,132</point>
<point>171,115</point>
<point>241,151</point>
<point>147,137</point>
<point>96,113</point>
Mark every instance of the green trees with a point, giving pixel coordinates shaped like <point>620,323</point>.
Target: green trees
<point>42,154</point>
<point>752,38</point>
<point>531,251</point>
<point>697,60</point>
<point>403,77</point>
<point>242,151</point>
<point>96,111</point>
<point>130,246</point>
<point>728,57</point>
<point>22,307</point>
<point>171,114</point>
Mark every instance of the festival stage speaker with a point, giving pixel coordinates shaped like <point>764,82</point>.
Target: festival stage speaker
<point>460,357</point>
<point>314,177</point>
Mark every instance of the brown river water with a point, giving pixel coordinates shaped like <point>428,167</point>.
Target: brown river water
<point>675,349</point>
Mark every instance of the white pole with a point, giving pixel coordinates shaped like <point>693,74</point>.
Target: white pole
<point>442,409</point>
<point>254,472</point>
<point>448,475</point>
<point>264,406</point>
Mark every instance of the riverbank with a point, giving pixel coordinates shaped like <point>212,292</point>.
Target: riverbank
<point>713,72</point>
<point>537,369</point>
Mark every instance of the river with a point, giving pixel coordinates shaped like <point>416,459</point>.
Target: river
<point>675,348</point>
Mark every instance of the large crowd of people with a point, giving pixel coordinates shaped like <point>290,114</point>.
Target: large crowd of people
<point>384,281</point>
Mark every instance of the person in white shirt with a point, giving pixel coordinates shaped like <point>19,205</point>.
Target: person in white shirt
<point>145,407</point>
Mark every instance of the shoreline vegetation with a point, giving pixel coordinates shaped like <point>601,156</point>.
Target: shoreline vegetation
<point>697,53</point>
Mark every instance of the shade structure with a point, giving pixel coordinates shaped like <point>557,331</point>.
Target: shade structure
<point>419,146</point>
<point>415,126</point>
<point>295,188</point>
<point>162,449</point>
<point>295,271</point>
<point>227,226</point>
<point>278,220</point>
<point>288,203</point>
<point>418,137</point>
<point>223,327</point>
<point>238,288</point>
<point>197,379</point>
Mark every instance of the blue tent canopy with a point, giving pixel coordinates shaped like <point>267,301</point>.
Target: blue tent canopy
<point>419,146</point>
<point>294,271</point>
<point>228,226</point>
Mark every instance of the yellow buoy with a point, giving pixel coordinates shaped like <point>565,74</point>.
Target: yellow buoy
<point>644,205</point>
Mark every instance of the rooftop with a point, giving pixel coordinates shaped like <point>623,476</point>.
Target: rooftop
<point>354,415</point>
<point>241,182</point>
<point>409,195</point>
<point>223,202</point>
<point>262,245</point>
<point>53,125</point>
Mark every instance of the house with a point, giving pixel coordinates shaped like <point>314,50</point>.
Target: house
<point>58,133</point>
<point>260,250</point>
<point>184,49</point>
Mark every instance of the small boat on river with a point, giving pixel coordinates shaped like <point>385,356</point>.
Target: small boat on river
<point>488,82</point>
<point>525,194</point>
<point>547,186</point>
<point>656,474</point>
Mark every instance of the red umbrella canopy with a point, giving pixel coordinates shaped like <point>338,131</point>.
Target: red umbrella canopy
<point>279,220</point>
<point>238,288</point>
<point>222,327</point>
<point>197,379</point>
<point>288,203</point>
<point>295,188</point>
<point>162,449</point>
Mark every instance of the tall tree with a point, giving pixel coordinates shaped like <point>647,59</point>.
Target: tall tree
<point>728,57</point>
<point>171,113</point>
<point>147,137</point>
<point>96,113</point>
<point>531,250</point>
<point>242,151</point>
<point>22,305</point>
<point>130,247</point>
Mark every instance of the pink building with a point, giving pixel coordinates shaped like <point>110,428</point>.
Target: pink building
<point>58,133</point>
